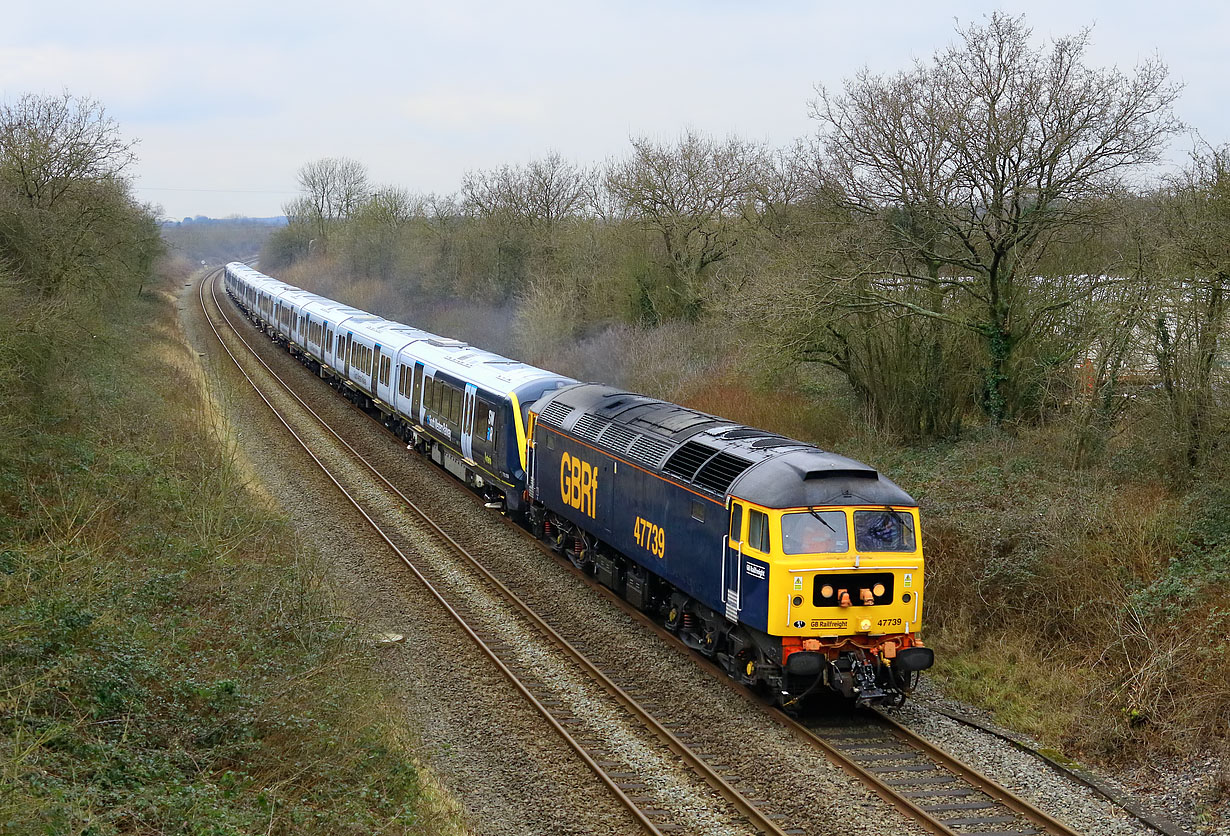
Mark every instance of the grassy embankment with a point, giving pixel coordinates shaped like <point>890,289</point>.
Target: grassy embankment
<point>171,659</point>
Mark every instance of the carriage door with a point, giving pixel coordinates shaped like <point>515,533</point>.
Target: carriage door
<point>429,395</point>
<point>732,558</point>
<point>416,396</point>
<point>346,351</point>
<point>376,371</point>
<point>467,421</point>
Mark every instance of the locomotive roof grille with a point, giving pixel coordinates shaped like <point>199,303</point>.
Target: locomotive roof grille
<point>555,413</point>
<point>720,471</point>
<point>648,450</point>
<point>618,438</point>
<point>588,427</point>
<point>685,461</point>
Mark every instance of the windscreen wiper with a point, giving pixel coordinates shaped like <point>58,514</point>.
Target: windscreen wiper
<point>816,514</point>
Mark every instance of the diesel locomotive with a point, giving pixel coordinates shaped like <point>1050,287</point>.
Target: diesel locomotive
<point>798,570</point>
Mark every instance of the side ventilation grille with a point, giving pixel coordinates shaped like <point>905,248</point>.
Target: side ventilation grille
<point>705,467</point>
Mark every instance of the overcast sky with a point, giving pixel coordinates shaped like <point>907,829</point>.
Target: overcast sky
<point>228,99</point>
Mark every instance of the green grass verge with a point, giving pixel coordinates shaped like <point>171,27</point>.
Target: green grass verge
<point>171,659</point>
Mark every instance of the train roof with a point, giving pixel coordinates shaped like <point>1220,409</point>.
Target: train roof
<point>712,454</point>
<point>485,369</point>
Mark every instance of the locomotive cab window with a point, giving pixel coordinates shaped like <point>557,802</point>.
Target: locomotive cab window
<point>758,530</point>
<point>736,523</point>
<point>815,532</point>
<point>698,511</point>
<point>883,531</point>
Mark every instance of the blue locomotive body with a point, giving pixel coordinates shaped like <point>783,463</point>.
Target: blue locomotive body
<point>666,528</point>
<point>793,567</point>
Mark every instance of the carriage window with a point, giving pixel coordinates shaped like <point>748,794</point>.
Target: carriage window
<point>455,406</point>
<point>883,531</point>
<point>815,532</point>
<point>486,422</point>
<point>758,530</point>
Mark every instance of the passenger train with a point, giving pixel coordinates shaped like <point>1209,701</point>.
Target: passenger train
<point>798,570</point>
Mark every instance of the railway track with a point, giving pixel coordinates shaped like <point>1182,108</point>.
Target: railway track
<point>921,779</point>
<point>926,784</point>
<point>503,643</point>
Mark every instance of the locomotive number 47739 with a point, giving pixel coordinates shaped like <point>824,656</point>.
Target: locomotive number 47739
<point>650,537</point>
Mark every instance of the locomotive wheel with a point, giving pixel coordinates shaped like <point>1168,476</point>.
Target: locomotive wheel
<point>558,534</point>
<point>584,558</point>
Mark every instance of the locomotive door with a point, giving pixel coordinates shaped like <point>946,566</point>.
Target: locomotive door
<point>732,560</point>
<point>467,422</point>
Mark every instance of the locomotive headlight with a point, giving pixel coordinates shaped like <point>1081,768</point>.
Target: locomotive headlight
<point>877,590</point>
<point>864,626</point>
<point>826,591</point>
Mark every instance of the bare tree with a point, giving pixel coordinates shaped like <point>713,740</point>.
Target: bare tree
<point>51,144</point>
<point>67,217</point>
<point>693,193</point>
<point>1191,329</point>
<point>523,210</point>
<point>333,190</point>
<point>542,194</point>
<point>377,231</point>
<point>975,163</point>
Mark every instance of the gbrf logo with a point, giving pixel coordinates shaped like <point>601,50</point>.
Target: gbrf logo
<point>578,484</point>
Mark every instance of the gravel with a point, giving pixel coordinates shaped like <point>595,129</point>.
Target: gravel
<point>1177,794</point>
